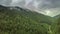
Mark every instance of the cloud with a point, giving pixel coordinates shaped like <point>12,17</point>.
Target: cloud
<point>27,2</point>
<point>14,2</point>
<point>37,5</point>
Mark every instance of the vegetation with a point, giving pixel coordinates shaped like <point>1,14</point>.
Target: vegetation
<point>24,21</point>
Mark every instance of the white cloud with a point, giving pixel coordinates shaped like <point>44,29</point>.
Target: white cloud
<point>14,2</point>
<point>28,1</point>
<point>36,4</point>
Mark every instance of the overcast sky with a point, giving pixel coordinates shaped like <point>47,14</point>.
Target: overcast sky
<point>42,6</point>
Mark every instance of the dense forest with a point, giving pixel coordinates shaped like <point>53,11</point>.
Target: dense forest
<point>17,20</point>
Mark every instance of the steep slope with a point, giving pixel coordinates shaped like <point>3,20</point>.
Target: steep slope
<point>23,21</point>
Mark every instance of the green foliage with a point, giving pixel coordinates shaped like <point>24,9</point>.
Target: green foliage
<point>24,21</point>
<point>20,22</point>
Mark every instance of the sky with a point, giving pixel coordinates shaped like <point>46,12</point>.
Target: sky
<point>46,7</point>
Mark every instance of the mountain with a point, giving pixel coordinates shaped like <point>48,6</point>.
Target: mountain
<point>17,20</point>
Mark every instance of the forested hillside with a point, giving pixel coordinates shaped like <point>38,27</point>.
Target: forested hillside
<point>17,20</point>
